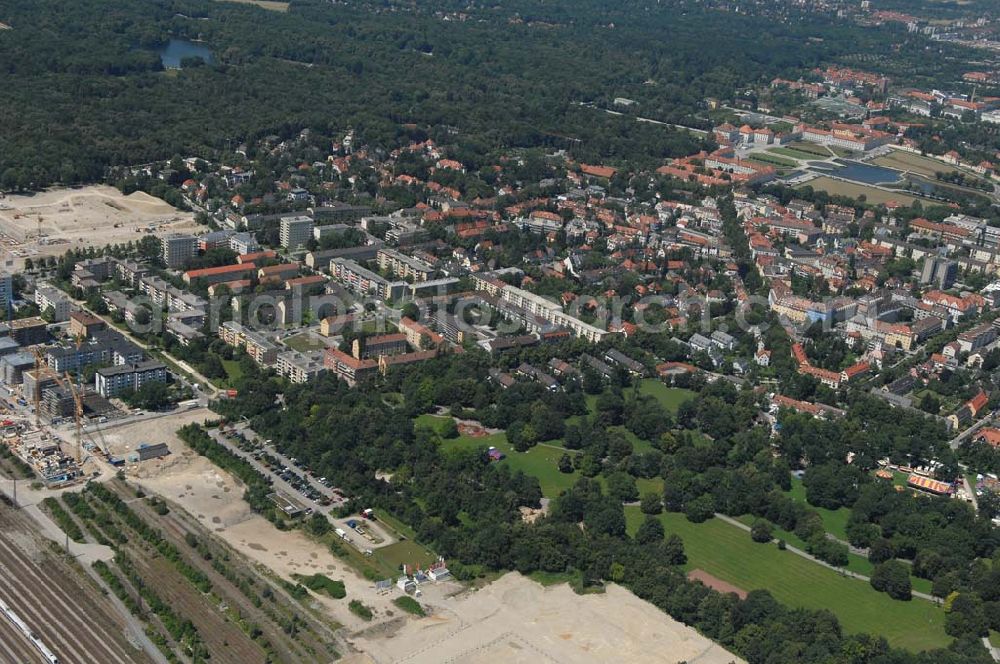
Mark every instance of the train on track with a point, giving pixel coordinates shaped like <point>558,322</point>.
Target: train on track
<point>28,634</point>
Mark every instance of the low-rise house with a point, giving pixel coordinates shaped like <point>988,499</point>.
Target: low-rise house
<point>84,325</point>
<point>699,342</point>
<point>854,372</point>
<point>277,273</point>
<point>547,381</point>
<point>377,346</point>
<point>779,401</point>
<point>603,368</point>
<point>724,341</point>
<point>634,367</point>
<point>502,378</point>
<point>563,369</point>
<point>215,275</point>
<point>351,369</point>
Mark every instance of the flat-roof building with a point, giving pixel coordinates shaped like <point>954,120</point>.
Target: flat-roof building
<point>112,381</point>
<point>295,231</point>
<point>177,249</point>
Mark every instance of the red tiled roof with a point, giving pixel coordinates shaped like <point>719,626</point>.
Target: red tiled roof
<point>255,255</point>
<point>278,269</point>
<point>856,369</point>
<point>222,269</point>
<point>978,402</point>
<point>305,281</point>
<point>598,171</point>
<point>989,435</point>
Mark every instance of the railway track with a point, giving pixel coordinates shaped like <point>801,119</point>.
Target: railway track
<point>67,616</point>
<point>177,524</point>
<point>15,647</point>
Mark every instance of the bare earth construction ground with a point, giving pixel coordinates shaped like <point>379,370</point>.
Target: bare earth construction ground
<point>511,620</point>
<point>91,216</point>
<point>517,621</point>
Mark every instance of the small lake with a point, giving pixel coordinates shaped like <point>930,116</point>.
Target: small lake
<point>178,49</point>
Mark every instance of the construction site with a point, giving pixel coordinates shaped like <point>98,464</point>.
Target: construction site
<point>514,619</point>
<point>53,398</point>
<point>53,424</point>
<point>48,223</point>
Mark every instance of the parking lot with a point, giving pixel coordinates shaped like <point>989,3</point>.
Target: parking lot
<point>287,476</point>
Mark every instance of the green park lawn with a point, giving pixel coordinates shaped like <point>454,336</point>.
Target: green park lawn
<point>855,563</point>
<point>540,461</point>
<point>728,553</point>
<point>670,398</point>
<point>835,521</point>
<point>772,160</point>
<point>407,551</point>
<point>233,369</point>
<point>791,152</point>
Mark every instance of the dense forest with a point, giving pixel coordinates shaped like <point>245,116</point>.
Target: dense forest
<point>85,88</point>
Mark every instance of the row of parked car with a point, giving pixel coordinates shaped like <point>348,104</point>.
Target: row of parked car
<point>293,476</point>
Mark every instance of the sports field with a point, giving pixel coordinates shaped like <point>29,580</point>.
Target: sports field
<point>871,194</point>
<point>728,553</point>
<point>406,552</point>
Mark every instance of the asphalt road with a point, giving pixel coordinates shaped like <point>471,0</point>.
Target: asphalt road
<point>957,440</point>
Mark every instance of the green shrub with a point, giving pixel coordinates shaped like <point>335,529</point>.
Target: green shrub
<point>360,610</point>
<point>410,605</point>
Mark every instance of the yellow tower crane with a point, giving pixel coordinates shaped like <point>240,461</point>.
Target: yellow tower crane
<point>42,368</point>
